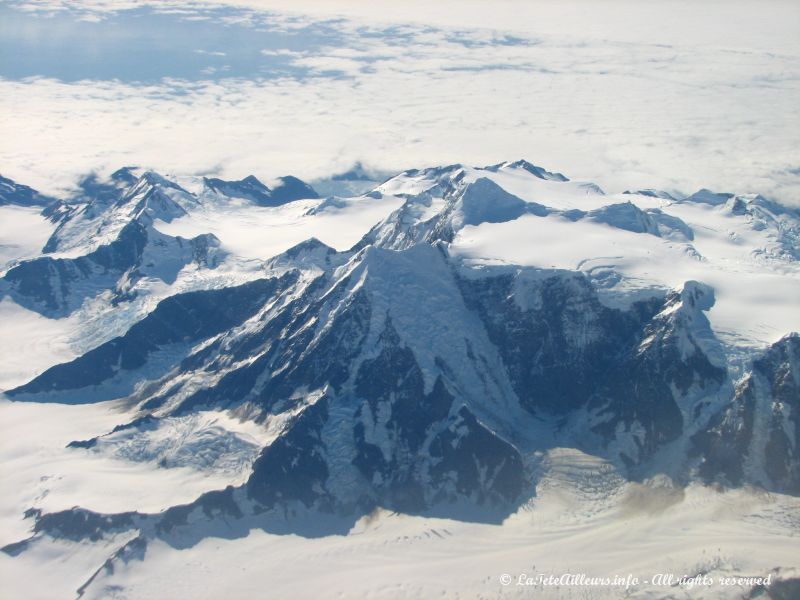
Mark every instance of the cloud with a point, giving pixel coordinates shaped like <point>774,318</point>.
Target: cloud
<point>282,52</point>
<point>621,111</point>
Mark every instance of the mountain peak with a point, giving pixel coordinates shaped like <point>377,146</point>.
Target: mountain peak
<point>652,193</point>
<point>287,189</point>
<point>254,181</point>
<point>483,201</point>
<point>125,175</point>
<point>706,196</point>
<point>156,179</point>
<point>358,172</point>
<point>530,168</point>
<point>21,195</point>
<point>290,188</point>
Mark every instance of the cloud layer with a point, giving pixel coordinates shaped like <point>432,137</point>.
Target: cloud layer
<point>597,99</point>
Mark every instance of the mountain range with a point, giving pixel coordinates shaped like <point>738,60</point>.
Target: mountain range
<point>487,317</point>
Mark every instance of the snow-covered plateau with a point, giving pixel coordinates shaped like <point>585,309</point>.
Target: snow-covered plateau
<point>461,382</point>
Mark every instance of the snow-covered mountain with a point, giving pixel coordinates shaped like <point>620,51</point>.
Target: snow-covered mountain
<point>12,193</point>
<point>484,319</point>
<point>286,189</point>
<point>107,242</point>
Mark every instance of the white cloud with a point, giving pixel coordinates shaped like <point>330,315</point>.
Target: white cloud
<point>326,64</point>
<point>689,108</point>
<point>282,52</point>
<point>210,52</point>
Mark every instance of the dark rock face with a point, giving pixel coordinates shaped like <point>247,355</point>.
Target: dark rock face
<point>290,189</point>
<point>558,348</point>
<point>393,427</point>
<point>476,463</point>
<point>724,444</point>
<point>287,359</point>
<point>249,188</point>
<point>217,503</point>
<point>706,196</point>
<point>754,438</point>
<point>294,467</point>
<point>566,351</point>
<point>652,194</point>
<point>79,524</point>
<point>410,449</point>
<point>650,379</point>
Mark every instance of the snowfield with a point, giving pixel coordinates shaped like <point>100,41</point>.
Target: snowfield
<point>585,519</point>
<point>262,232</point>
<point>23,232</point>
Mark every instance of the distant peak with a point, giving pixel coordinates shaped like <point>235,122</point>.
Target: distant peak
<point>290,188</point>
<point>523,164</point>
<point>483,201</point>
<point>286,189</point>
<point>154,178</point>
<point>253,180</point>
<point>21,195</point>
<point>652,193</point>
<point>705,196</point>
<point>358,172</point>
<point>308,245</point>
<point>311,252</point>
<point>125,175</point>
<point>150,179</point>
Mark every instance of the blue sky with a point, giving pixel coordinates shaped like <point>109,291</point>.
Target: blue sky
<point>144,45</point>
<point>629,94</point>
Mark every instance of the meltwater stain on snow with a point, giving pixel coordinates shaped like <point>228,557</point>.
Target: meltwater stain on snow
<point>651,497</point>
